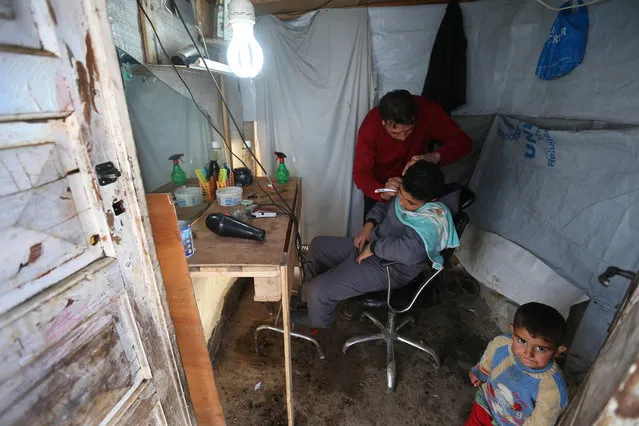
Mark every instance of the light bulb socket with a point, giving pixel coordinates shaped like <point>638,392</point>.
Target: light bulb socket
<point>241,11</point>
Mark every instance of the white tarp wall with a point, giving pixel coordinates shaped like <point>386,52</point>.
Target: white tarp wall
<point>505,39</point>
<point>571,199</point>
<point>312,95</point>
<point>165,122</point>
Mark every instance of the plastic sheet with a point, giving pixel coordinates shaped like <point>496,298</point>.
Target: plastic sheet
<point>567,198</point>
<point>164,122</point>
<point>505,39</point>
<point>312,95</point>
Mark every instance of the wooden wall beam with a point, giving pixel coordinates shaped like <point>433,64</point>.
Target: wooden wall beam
<point>298,9</point>
<point>204,16</point>
<point>149,43</point>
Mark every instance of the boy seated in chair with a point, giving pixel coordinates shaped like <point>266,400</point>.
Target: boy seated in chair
<point>410,229</point>
<point>519,382</point>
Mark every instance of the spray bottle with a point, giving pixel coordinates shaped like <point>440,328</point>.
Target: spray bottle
<point>178,176</point>
<point>282,173</point>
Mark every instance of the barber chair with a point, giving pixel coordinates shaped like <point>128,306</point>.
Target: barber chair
<point>401,300</point>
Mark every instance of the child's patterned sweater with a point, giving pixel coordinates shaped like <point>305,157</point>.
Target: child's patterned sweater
<point>514,394</point>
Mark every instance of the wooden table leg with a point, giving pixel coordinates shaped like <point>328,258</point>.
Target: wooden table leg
<point>286,320</point>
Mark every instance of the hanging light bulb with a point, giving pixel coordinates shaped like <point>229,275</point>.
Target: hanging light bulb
<point>244,54</point>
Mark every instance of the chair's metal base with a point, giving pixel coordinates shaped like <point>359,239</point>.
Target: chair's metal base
<point>281,330</point>
<point>389,333</point>
<point>293,334</point>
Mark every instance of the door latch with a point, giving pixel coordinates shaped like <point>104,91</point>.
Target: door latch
<point>107,173</point>
<point>611,271</point>
<point>118,207</point>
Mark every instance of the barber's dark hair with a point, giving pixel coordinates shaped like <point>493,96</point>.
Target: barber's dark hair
<point>541,321</point>
<point>424,181</point>
<point>398,106</point>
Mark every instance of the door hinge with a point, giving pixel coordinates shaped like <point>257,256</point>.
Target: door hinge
<point>107,173</point>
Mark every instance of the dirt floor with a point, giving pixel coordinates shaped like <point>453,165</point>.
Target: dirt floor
<point>350,389</point>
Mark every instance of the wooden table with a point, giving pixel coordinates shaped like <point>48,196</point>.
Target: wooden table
<point>270,263</point>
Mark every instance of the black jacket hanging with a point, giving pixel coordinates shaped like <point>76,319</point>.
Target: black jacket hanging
<point>446,80</point>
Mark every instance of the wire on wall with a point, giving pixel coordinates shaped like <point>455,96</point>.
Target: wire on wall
<point>309,10</point>
<point>572,6</point>
<point>286,209</point>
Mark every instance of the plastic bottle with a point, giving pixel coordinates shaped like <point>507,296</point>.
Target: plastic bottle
<point>218,158</point>
<point>178,176</point>
<point>214,170</point>
<point>282,174</point>
<point>217,152</point>
<point>247,157</point>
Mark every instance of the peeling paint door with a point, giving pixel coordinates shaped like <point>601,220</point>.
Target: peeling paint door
<point>610,393</point>
<point>85,335</point>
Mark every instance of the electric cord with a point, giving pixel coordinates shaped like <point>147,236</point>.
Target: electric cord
<point>237,127</point>
<point>206,50</point>
<point>202,111</point>
<point>288,210</point>
<point>298,240</point>
<point>309,10</point>
<point>217,86</point>
<point>573,6</point>
<point>239,131</point>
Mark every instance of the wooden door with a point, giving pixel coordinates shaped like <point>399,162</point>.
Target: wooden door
<point>610,393</point>
<point>85,335</point>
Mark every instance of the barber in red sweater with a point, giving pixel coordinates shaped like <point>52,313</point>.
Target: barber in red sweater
<point>395,135</point>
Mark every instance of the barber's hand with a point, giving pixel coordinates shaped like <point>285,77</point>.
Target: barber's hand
<point>364,236</point>
<point>431,157</point>
<point>474,380</point>
<point>393,183</point>
<point>365,254</point>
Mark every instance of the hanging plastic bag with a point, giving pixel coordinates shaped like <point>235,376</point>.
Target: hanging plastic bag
<point>566,43</point>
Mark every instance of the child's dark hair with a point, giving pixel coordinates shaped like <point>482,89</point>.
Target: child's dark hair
<point>541,321</point>
<point>398,106</point>
<point>424,181</point>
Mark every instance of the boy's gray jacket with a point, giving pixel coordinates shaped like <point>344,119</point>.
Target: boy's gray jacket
<point>396,242</point>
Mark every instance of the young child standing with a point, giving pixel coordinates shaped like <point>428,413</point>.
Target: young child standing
<point>519,382</point>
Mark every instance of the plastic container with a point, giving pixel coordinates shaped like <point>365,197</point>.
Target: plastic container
<point>229,196</point>
<point>228,183</point>
<point>187,238</point>
<point>208,189</point>
<point>187,197</point>
<point>218,153</point>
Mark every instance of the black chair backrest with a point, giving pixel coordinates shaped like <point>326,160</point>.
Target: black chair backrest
<point>457,198</point>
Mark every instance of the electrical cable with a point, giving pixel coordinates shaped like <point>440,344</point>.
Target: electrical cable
<point>237,127</point>
<point>206,50</point>
<point>573,6</point>
<point>309,10</point>
<point>202,111</point>
<point>288,210</point>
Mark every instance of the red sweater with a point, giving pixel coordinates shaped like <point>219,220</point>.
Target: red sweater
<point>379,157</point>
